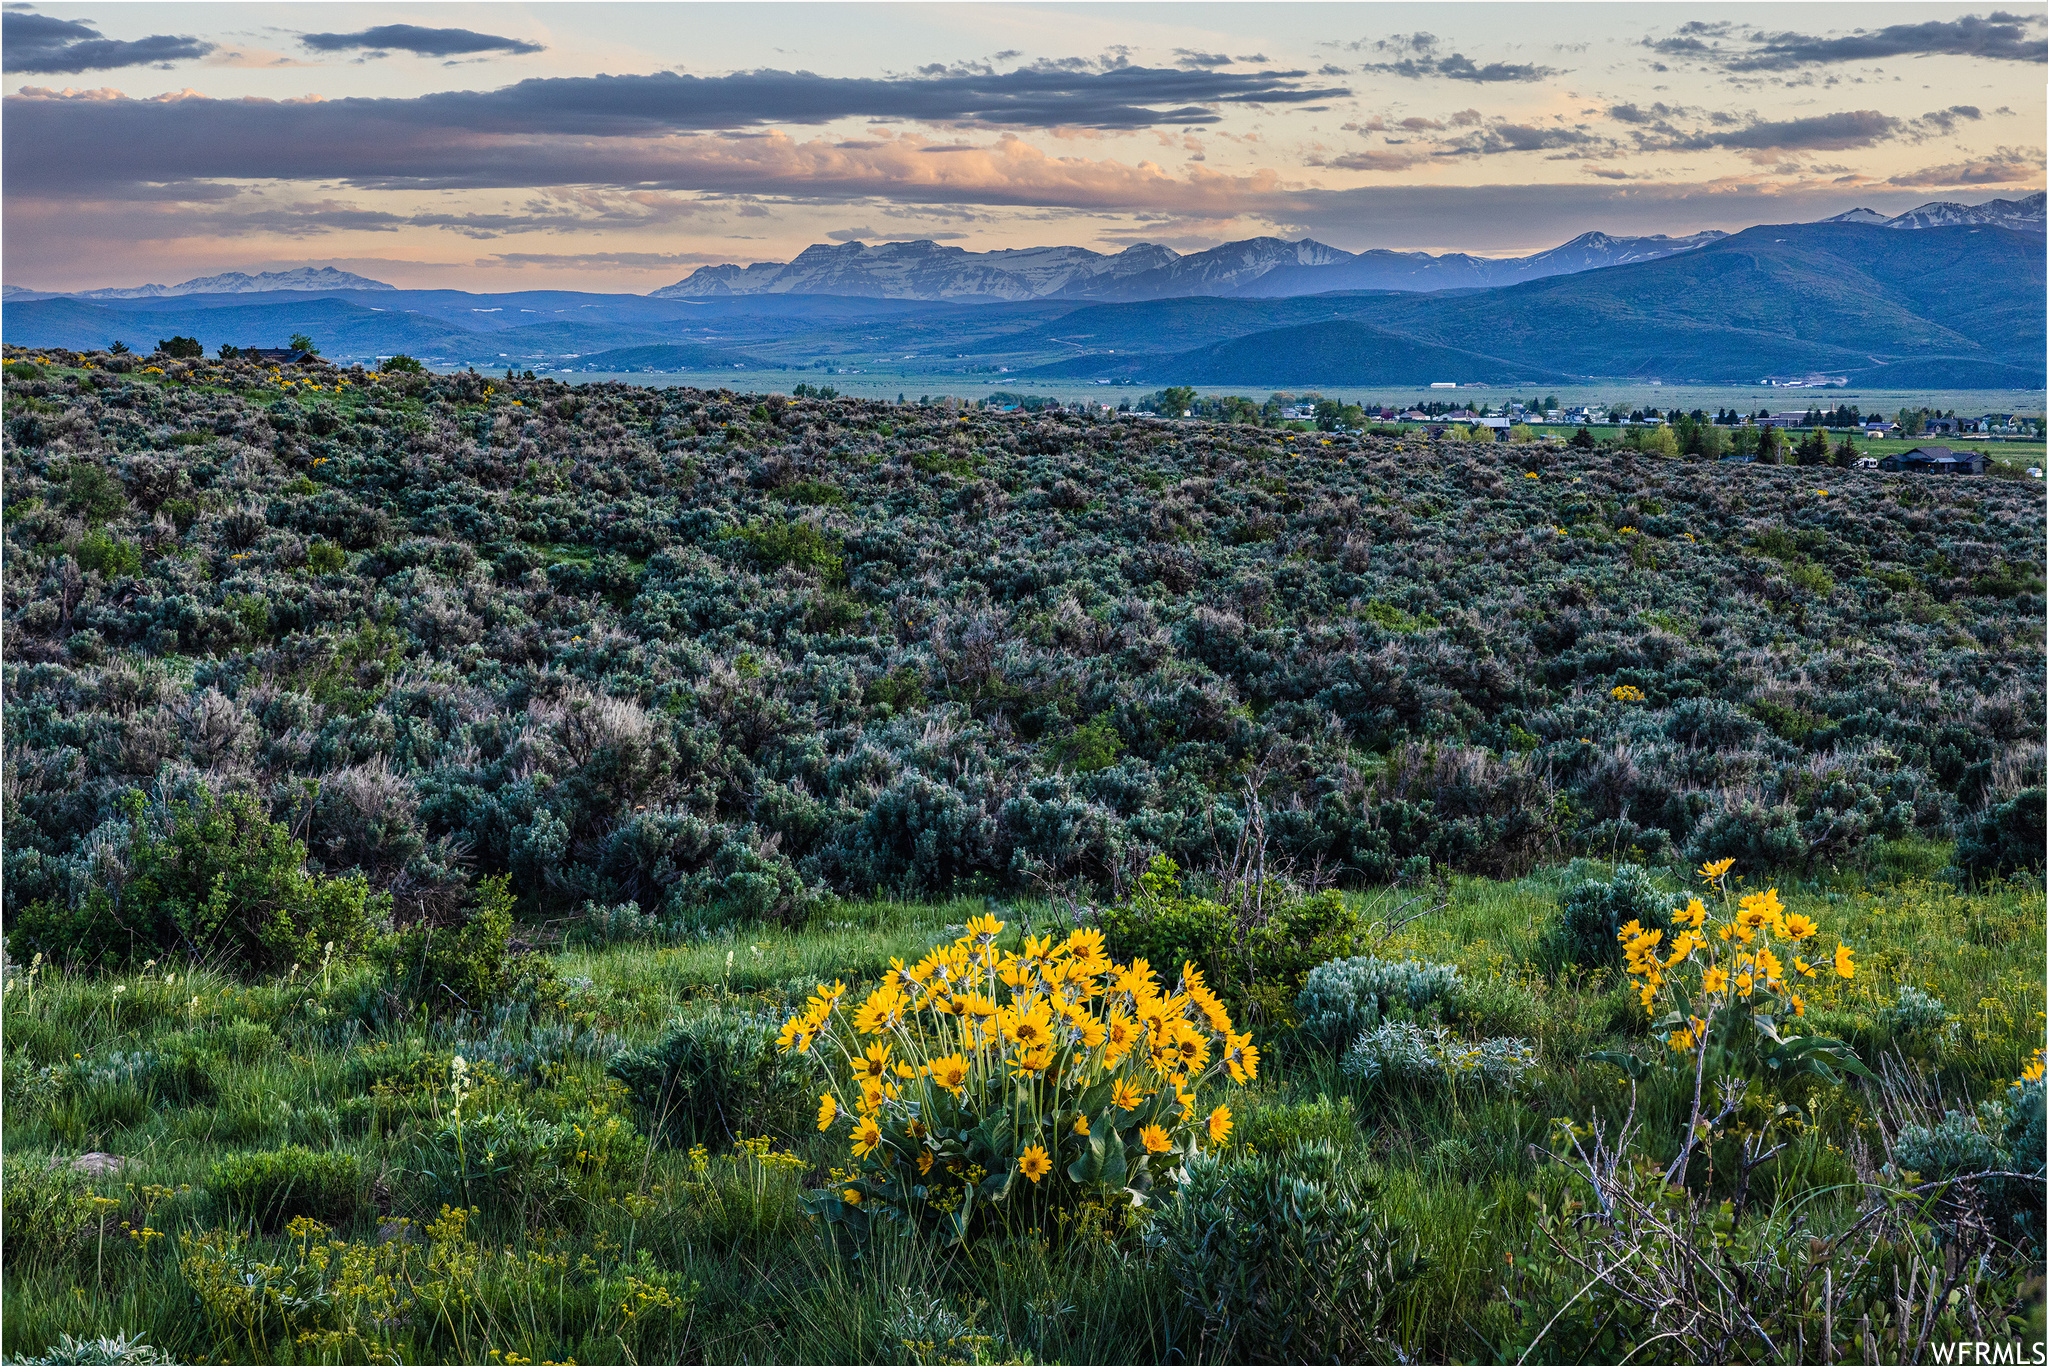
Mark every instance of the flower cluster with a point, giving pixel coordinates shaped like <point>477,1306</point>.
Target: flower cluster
<point>1753,957</point>
<point>970,1077</point>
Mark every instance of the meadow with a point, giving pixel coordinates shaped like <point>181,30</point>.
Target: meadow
<point>272,1137</point>
<point>461,834</point>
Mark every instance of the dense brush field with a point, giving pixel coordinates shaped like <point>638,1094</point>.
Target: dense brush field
<point>429,797</point>
<point>716,656</point>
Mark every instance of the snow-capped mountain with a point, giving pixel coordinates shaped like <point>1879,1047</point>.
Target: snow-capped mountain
<point>2020,215</point>
<point>304,278</point>
<point>1219,270</point>
<point>1263,267</point>
<point>919,270</point>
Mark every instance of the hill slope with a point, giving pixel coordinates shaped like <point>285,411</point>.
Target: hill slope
<point>1960,302</point>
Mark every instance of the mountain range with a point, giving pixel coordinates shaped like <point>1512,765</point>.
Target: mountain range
<point>1945,295</point>
<point>1259,267</point>
<point>1263,266</point>
<point>1876,307</point>
<point>302,279</point>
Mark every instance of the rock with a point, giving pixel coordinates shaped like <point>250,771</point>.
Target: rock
<point>95,1164</point>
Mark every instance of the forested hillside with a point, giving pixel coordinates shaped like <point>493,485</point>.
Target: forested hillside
<point>723,655</point>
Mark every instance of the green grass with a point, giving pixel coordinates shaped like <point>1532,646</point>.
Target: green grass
<point>713,1247</point>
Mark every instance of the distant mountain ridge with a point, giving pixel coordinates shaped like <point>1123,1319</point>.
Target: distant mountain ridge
<point>302,278</point>
<point>2021,215</point>
<point>1262,267</point>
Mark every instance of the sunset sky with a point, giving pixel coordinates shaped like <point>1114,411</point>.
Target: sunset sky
<point>616,147</point>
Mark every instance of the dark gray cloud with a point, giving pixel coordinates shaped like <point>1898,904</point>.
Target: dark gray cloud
<point>467,137</point>
<point>1998,35</point>
<point>1418,56</point>
<point>1656,129</point>
<point>1516,137</point>
<point>1458,67</point>
<point>1189,57</point>
<point>424,42</point>
<point>37,43</point>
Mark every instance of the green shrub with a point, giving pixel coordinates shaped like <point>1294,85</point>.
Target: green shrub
<point>1341,999</point>
<point>714,1078</point>
<point>1280,1257</point>
<point>401,365</point>
<point>1255,964</point>
<point>212,878</point>
<point>1087,749</point>
<point>1388,617</point>
<point>798,544</point>
<point>1592,914</point>
<point>93,493</point>
<point>104,555</point>
<point>463,966</point>
<point>2007,837</point>
<point>325,557</point>
<point>270,1189</point>
<point>1283,1128</point>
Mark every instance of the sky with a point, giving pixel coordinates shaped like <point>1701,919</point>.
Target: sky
<point>616,147</point>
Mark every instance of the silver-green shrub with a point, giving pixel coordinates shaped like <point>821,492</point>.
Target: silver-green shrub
<point>1401,1051</point>
<point>1346,997</point>
<point>1915,1012</point>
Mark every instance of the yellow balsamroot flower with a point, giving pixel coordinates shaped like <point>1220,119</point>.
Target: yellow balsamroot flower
<point>1081,1125</point>
<point>874,1064</point>
<point>1715,871</point>
<point>983,929</point>
<point>1798,927</point>
<point>1126,1096</point>
<point>2034,1070</point>
<point>1693,916</point>
<point>828,1110</point>
<point>1034,1163</point>
<point>1803,968</point>
<point>796,1035</point>
<point>1845,962</point>
<point>1220,1125</point>
<point>1714,980</point>
<point>1681,1041</point>
<point>1627,692</point>
<point>1155,1139</point>
<point>1532,475</point>
<point>950,1072</point>
<point>1767,963</point>
<point>1241,1056</point>
<point>850,1196</point>
<point>867,1136</point>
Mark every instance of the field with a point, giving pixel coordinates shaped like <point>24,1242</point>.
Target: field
<point>429,796</point>
<point>576,1216</point>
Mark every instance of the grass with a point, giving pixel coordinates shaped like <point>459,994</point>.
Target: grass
<point>619,1252</point>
